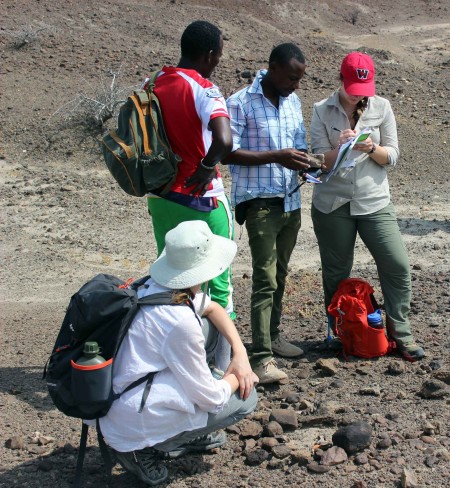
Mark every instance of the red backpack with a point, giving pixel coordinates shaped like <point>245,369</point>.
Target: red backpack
<point>350,305</point>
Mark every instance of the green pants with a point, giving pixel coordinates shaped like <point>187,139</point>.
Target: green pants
<point>336,234</point>
<point>166,215</point>
<point>272,235</point>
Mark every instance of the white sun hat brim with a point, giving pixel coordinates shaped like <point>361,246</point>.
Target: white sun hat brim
<point>186,264</point>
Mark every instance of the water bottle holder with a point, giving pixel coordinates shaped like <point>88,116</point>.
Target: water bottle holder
<point>91,386</point>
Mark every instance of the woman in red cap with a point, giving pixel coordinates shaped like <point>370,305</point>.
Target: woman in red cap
<point>355,200</point>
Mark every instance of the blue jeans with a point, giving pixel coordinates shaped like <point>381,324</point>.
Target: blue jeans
<point>236,408</point>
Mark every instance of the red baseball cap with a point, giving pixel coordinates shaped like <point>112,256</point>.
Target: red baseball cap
<point>358,73</point>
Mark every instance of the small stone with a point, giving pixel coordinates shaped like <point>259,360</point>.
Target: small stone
<point>428,439</point>
<point>281,451</point>
<point>396,368</point>
<point>301,457</point>
<point>409,479</point>
<point>305,405</point>
<point>255,458</point>
<point>268,442</point>
<point>249,444</point>
<point>338,383</point>
<point>374,390</point>
<point>251,428</point>
<point>292,398</point>
<point>430,461</point>
<point>15,442</point>
<point>33,449</point>
<point>275,463</point>
<point>434,389</point>
<point>443,454</point>
<point>328,366</point>
<point>333,456</point>
<point>428,428</point>
<point>396,469</point>
<point>287,418</point>
<point>44,440</point>
<point>317,468</point>
<point>273,429</point>
<point>384,443</point>
<point>363,371</point>
<point>435,364</point>
<point>374,463</point>
<point>361,459</point>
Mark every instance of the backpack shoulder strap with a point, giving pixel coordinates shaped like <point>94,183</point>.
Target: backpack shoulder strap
<point>162,298</point>
<point>151,81</point>
<point>81,454</point>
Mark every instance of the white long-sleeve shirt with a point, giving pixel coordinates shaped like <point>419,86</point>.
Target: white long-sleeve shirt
<point>167,339</point>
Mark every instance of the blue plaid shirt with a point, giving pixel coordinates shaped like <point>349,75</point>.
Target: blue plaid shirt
<point>257,125</point>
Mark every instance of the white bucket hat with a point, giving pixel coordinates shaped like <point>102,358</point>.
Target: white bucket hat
<point>193,255</point>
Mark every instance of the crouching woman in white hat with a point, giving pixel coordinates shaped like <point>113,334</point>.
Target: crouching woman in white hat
<point>188,402</point>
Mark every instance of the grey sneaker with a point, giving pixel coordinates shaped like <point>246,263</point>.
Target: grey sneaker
<point>411,352</point>
<point>144,464</point>
<point>285,349</point>
<point>200,444</point>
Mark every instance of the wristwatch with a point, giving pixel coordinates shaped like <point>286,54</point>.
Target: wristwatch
<point>374,147</point>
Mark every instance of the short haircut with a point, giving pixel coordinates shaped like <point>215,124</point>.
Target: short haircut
<point>200,38</point>
<point>283,53</point>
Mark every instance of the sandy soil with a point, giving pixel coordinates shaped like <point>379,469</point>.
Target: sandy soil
<point>65,220</point>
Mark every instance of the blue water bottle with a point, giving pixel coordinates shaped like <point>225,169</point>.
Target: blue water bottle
<point>375,319</point>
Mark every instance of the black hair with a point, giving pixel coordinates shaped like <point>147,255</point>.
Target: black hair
<point>200,38</point>
<point>283,53</point>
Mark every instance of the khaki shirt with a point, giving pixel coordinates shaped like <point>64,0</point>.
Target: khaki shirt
<point>365,185</point>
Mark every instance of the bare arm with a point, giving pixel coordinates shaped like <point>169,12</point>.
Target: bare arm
<point>221,145</point>
<point>239,373</point>
<point>289,158</point>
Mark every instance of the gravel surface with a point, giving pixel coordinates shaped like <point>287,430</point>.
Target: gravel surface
<point>64,220</point>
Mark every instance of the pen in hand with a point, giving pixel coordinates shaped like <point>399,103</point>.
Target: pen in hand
<point>335,128</point>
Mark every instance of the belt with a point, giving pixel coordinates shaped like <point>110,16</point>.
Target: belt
<point>267,201</point>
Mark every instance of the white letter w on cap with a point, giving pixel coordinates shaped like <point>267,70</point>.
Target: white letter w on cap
<point>362,74</point>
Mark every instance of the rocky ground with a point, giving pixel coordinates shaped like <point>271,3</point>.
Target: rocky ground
<point>65,220</point>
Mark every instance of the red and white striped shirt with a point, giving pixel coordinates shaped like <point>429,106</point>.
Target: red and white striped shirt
<point>188,103</point>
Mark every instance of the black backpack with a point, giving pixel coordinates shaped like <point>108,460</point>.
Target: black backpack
<point>101,311</point>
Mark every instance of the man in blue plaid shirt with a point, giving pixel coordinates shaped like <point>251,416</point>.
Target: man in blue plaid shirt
<point>269,149</point>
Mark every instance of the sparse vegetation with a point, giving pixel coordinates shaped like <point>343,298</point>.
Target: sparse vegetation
<point>96,104</point>
<point>29,34</point>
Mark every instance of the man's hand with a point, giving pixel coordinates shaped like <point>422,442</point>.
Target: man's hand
<point>200,180</point>
<point>240,367</point>
<point>292,158</point>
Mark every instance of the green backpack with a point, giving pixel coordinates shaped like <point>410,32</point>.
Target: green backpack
<point>138,153</point>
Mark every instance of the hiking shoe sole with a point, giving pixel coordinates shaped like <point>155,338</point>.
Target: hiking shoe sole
<point>200,444</point>
<point>136,462</point>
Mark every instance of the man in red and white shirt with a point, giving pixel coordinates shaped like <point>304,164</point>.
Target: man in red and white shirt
<point>197,124</point>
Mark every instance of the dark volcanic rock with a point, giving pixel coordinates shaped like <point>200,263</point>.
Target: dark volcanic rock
<point>353,437</point>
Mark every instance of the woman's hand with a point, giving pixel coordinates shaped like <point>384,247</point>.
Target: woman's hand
<point>240,367</point>
<point>346,135</point>
<point>364,146</point>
